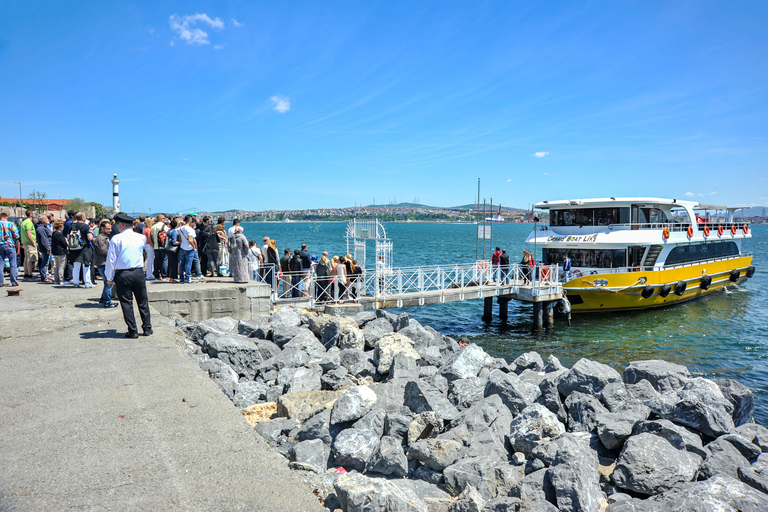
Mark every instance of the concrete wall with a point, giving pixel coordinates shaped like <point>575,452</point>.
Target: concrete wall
<point>200,301</point>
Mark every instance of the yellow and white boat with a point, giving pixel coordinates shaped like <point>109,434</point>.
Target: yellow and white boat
<point>642,252</point>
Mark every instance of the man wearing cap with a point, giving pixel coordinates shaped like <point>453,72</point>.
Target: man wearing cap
<point>124,269</point>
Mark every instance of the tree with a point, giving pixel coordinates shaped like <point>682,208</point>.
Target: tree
<point>77,204</point>
<point>36,198</point>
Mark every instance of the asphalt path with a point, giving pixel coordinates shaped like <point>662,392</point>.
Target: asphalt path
<point>90,420</point>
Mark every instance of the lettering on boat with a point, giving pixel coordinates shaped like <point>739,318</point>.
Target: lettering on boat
<point>570,238</point>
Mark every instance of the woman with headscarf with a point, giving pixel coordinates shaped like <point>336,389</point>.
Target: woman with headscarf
<point>273,261</point>
<point>323,273</point>
<point>341,278</point>
<point>238,256</point>
<point>355,277</point>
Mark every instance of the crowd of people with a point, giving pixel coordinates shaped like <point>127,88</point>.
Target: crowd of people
<point>177,250</point>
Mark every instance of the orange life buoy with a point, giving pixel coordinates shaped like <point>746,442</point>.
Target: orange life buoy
<point>544,274</point>
<point>665,233</point>
<point>745,229</point>
<point>690,231</point>
<point>720,230</point>
<point>706,230</point>
<point>733,229</point>
<point>482,266</point>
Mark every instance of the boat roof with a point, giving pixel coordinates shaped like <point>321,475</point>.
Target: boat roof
<point>627,201</point>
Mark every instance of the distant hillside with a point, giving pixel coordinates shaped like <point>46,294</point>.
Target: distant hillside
<point>464,207</point>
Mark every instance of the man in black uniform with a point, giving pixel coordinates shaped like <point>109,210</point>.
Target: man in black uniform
<point>124,269</point>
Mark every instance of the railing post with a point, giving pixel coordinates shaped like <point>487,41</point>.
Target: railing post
<point>421,281</point>
<point>399,282</point>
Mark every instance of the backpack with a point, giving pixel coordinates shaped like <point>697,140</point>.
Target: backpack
<point>74,240</point>
<point>162,235</point>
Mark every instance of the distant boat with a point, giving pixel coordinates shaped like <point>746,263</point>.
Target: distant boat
<point>495,218</point>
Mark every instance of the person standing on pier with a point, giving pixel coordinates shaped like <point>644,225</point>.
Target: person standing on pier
<point>101,250</point>
<point>161,257</point>
<point>306,267</point>
<point>29,244</point>
<point>285,269</point>
<point>80,250</point>
<point>495,266</point>
<point>124,269</point>
<point>567,268</point>
<point>187,249</point>
<point>504,264</point>
<point>8,237</point>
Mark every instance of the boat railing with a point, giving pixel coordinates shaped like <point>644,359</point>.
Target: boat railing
<point>678,226</point>
<point>640,268</point>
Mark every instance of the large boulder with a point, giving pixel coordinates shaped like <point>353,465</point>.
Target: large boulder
<point>301,405</point>
<point>467,363</point>
<point>358,493</point>
<point>421,396</point>
<point>272,430</point>
<point>311,453</point>
<point>469,500</point>
<point>249,393</point>
<point>679,436</point>
<point>475,471</point>
<point>299,379</point>
<point>663,375</point>
<point>225,324</point>
<point>353,404</point>
<point>583,412</point>
<point>755,433</point>
<point>354,448</point>
<point>288,317</point>
<point>575,477</point>
<point>487,423</point>
<point>317,427</point>
<point>550,395</point>
<point>588,377</point>
<point>403,367</point>
<point>421,337</point>
<point>293,357</point>
<point>437,454</point>
<point>723,457</point>
<point>699,404</point>
<point>464,393</point>
<point>515,393</point>
<point>375,330</point>
<point>222,374</point>
<point>529,361</point>
<point>390,345</point>
<point>649,464</point>
<point>537,488</point>
<point>282,334</point>
<point>259,327</point>
<point>614,428</point>
<point>389,458</point>
<point>741,398</point>
<point>342,332</point>
<point>533,425</point>
<point>238,352</point>
<point>373,421</point>
<point>356,362</point>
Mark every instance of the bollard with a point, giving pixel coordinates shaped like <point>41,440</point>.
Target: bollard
<point>487,309</point>
<point>503,309</point>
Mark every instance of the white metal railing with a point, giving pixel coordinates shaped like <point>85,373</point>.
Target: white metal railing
<point>397,283</point>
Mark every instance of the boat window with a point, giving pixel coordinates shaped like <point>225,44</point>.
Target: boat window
<point>654,215</point>
<point>588,216</point>
<point>595,258</point>
<point>688,253</point>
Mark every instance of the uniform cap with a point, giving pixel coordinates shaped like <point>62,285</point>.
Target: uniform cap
<point>124,218</point>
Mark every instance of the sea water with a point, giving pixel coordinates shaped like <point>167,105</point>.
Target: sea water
<point>721,336</point>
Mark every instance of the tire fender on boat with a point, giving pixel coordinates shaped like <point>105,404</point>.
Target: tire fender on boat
<point>750,271</point>
<point>680,288</point>
<point>705,283</point>
<point>735,273</point>
<point>665,290</point>
<point>647,291</point>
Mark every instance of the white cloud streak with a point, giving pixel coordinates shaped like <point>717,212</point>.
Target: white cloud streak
<point>237,23</point>
<point>541,154</point>
<point>690,194</point>
<point>185,27</point>
<point>282,104</point>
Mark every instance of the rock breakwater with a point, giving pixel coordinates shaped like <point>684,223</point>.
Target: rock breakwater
<point>382,413</point>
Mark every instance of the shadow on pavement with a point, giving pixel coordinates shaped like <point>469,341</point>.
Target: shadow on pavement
<point>105,333</point>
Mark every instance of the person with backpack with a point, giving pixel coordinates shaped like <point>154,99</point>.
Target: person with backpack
<point>80,251</point>
<point>158,234</point>
<point>187,249</point>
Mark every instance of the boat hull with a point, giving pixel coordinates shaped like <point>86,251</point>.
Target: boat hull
<point>623,291</point>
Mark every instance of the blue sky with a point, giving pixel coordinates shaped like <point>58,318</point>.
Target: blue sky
<point>282,105</point>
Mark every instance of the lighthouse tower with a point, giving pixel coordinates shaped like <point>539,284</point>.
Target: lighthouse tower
<point>115,194</point>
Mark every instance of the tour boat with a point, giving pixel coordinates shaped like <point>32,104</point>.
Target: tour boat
<point>632,253</point>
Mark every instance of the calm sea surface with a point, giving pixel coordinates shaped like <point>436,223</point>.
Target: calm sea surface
<point>723,336</point>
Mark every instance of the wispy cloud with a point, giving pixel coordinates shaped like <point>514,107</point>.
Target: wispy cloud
<point>218,47</point>
<point>509,180</point>
<point>282,104</point>
<point>700,194</point>
<point>185,27</point>
<point>237,23</point>
<point>690,194</point>
<point>541,154</point>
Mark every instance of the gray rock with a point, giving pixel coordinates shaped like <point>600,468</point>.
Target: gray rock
<point>699,405</point>
<point>720,492</point>
<point>614,428</point>
<point>537,487</point>
<point>273,429</point>
<point>336,379</point>
<point>529,361</point>
<point>427,475</point>
<point>222,374</point>
<point>430,356</point>
<point>722,458</point>
<point>425,372</point>
<point>266,347</point>
<point>642,391</point>
<point>396,425</point>
<point>662,375</point>
<point>257,328</point>
<point>475,471</point>
<point>532,377</point>
<point>237,351</point>
<point>441,383</point>
<point>469,500</point>
<point>344,333</point>
<point>488,425</point>
<point>390,396</point>
<point>616,397</point>
<point>250,393</point>
<point>756,434</point>
<point>353,448</point>
<point>437,454</point>
<point>404,367</point>
<point>362,318</point>
<point>373,421</point>
<point>741,398</point>
<point>299,379</point>
<point>375,330</point>
<point>749,450</point>
<point>504,504</point>
<point>353,404</point>
<point>467,363</point>
<point>550,396</point>
<point>508,478</point>
<point>678,436</point>
<point>588,377</point>
<point>389,458</point>
<point>307,342</point>
<point>293,357</point>
<point>533,425</point>
<point>423,426</point>
<point>358,493</point>
<point>286,316</point>
<point>436,499</point>
<point>649,464</point>
<point>304,404</point>
<point>516,394</point>
<point>401,322</point>
<point>753,479</point>
<point>316,427</point>
<point>312,452</point>
<point>421,396</point>
<point>419,335</point>
<point>575,478</point>
<point>390,345</point>
<point>464,393</point>
<point>553,365</point>
<point>356,362</point>
<point>282,334</point>
<point>331,360</point>
<point>583,412</point>
<point>225,324</point>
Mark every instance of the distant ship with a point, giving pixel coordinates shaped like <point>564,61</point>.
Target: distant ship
<point>642,252</point>
<point>495,218</point>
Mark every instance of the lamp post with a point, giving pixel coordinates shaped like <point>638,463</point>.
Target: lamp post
<point>34,205</point>
<point>21,205</point>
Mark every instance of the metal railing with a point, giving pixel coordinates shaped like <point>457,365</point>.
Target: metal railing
<point>397,283</point>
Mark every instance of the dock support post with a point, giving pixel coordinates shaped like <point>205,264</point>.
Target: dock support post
<point>538,317</point>
<point>549,314</point>
<point>487,309</point>
<point>503,309</point>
